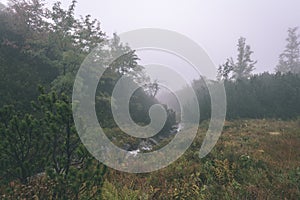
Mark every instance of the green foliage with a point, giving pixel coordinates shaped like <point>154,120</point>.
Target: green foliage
<point>84,181</point>
<point>21,146</point>
<point>23,62</point>
<point>56,113</point>
<point>50,144</point>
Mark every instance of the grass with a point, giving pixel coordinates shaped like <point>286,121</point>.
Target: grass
<point>248,162</point>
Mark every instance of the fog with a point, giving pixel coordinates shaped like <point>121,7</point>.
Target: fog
<point>216,25</point>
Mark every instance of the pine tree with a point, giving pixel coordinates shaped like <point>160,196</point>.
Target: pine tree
<point>21,145</point>
<point>244,64</point>
<point>289,60</point>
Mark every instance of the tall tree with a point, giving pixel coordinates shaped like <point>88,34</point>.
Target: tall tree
<point>23,54</point>
<point>289,60</point>
<point>244,65</point>
<point>72,39</point>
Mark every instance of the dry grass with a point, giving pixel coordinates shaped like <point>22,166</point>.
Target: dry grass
<point>273,141</point>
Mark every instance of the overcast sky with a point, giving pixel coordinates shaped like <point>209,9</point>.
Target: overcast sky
<point>214,24</point>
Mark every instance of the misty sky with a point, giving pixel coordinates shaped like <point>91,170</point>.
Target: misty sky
<point>214,24</point>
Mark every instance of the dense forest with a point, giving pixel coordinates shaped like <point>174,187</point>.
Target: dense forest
<point>42,156</point>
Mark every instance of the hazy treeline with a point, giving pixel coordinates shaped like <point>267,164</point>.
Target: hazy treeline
<point>261,96</point>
